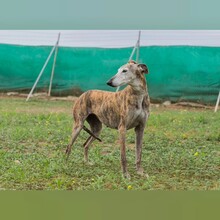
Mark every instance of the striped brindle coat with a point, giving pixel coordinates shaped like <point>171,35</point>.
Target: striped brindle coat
<point>121,110</point>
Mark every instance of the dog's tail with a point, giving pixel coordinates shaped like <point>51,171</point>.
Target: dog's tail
<point>88,131</point>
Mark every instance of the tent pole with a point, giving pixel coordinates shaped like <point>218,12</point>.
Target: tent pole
<point>217,102</point>
<point>54,63</point>
<point>41,72</point>
<point>138,47</point>
<point>133,51</point>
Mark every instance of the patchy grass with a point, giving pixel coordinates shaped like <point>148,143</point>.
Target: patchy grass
<point>180,151</point>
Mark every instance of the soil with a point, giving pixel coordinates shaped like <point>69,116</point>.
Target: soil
<point>44,96</point>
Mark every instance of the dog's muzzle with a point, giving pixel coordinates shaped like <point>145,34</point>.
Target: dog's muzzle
<point>110,83</point>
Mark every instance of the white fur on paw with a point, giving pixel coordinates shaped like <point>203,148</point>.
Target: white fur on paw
<point>127,176</point>
<point>142,173</point>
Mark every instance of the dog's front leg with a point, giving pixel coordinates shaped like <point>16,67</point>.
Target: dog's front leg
<point>122,138</point>
<point>139,130</point>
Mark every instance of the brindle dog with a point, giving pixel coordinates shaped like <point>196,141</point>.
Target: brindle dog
<point>121,110</point>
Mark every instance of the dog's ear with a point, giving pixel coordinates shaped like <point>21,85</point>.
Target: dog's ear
<point>143,68</point>
<point>132,62</point>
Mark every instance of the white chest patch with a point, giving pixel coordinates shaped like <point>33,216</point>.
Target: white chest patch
<point>136,117</point>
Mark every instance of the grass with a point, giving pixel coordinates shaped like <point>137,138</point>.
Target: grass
<point>180,151</point>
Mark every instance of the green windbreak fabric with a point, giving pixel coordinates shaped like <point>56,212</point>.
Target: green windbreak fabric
<point>176,73</point>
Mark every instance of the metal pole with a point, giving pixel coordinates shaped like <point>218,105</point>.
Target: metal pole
<point>138,47</point>
<point>217,103</point>
<point>54,62</point>
<point>133,51</point>
<point>41,72</point>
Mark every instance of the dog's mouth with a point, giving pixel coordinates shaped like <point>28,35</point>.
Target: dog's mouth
<point>110,84</point>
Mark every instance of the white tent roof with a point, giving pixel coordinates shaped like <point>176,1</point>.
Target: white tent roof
<point>111,38</point>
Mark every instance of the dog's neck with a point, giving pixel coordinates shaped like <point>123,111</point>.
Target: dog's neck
<point>138,87</point>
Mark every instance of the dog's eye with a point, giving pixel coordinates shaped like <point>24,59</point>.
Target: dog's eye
<point>124,71</point>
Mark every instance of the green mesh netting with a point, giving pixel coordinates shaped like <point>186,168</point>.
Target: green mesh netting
<point>176,72</point>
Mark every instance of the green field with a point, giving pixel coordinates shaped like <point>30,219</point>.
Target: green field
<point>181,150</point>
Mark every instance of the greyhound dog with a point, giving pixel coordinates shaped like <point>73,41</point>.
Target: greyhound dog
<point>121,110</point>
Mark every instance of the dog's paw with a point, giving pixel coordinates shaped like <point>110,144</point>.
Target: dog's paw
<point>89,163</point>
<point>141,172</point>
<point>68,150</point>
<point>67,153</point>
<point>126,176</point>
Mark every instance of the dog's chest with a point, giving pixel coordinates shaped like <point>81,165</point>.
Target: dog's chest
<point>135,115</point>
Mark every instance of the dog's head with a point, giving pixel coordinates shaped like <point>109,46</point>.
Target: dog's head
<point>130,73</point>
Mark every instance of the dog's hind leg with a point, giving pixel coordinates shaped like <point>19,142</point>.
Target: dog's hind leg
<point>86,148</point>
<point>88,139</point>
<point>76,130</point>
<point>96,127</point>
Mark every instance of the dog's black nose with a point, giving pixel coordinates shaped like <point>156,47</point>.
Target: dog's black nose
<point>109,82</point>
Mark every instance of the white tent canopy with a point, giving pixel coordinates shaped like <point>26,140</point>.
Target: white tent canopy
<point>111,38</point>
